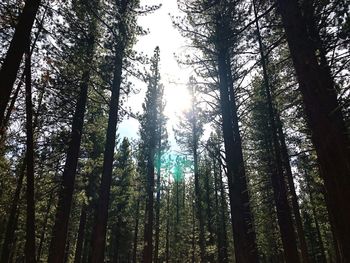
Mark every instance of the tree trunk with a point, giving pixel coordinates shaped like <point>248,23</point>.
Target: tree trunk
<point>43,230</point>
<point>12,219</point>
<point>193,234</point>
<point>148,231</point>
<point>199,212</point>
<point>167,243</point>
<point>66,250</point>
<point>136,231</point>
<point>18,45</point>
<point>315,217</point>
<point>197,190</point>
<point>295,203</point>
<point>100,226</point>
<point>223,215</point>
<point>115,246</point>
<point>30,217</point>
<point>220,214</point>
<point>10,108</point>
<point>59,233</point>
<point>244,236</point>
<point>5,120</point>
<point>284,214</point>
<point>81,235</point>
<point>209,205</point>
<point>12,222</point>
<point>156,241</point>
<point>14,251</point>
<point>324,119</point>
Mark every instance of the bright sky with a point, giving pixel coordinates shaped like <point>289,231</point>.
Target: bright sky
<point>173,76</point>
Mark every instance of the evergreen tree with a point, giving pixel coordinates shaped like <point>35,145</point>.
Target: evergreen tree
<point>152,134</point>
<point>60,229</point>
<point>328,127</point>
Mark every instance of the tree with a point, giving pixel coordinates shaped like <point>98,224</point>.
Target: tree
<point>58,242</point>
<point>213,147</point>
<point>100,225</point>
<point>211,29</point>
<point>327,125</point>
<point>122,194</point>
<point>152,125</point>
<point>30,219</point>
<point>19,43</point>
<point>284,214</point>
<point>244,236</point>
<point>189,136</point>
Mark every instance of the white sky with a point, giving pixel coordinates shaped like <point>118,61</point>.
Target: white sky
<point>173,76</point>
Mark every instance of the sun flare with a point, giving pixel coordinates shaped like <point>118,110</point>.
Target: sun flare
<point>177,100</point>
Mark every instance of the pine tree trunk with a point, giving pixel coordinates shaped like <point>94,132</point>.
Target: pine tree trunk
<point>14,252</point>
<point>66,250</point>
<point>30,216</point>
<point>100,226</point>
<point>14,55</point>
<point>223,218</point>
<point>151,146</point>
<point>324,118</point>
<point>284,214</point>
<point>81,235</point>
<point>156,241</point>
<point>167,242</point>
<point>87,239</point>
<point>115,245</point>
<point>217,212</point>
<point>4,122</point>
<point>59,233</point>
<point>209,207</point>
<point>177,209</point>
<point>193,234</point>
<point>244,236</point>
<point>197,190</point>
<point>220,216</point>
<point>43,230</point>
<point>294,197</point>
<point>10,109</point>
<point>12,219</point>
<point>148,231</point>
<point>199,211</point>
<point>315,217</point>
<point>136,231</point>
